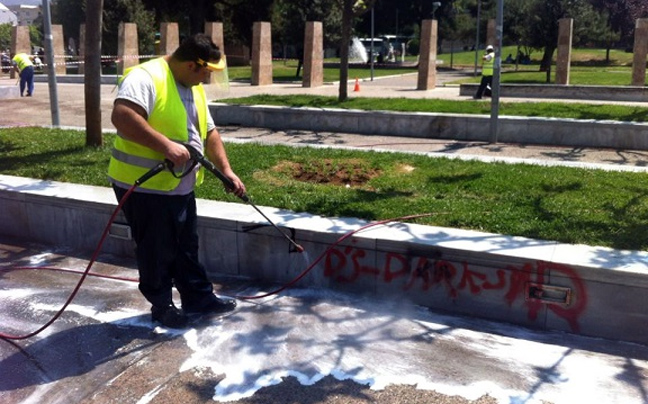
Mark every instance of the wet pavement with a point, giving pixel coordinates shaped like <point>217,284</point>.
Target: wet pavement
<point>303,346</point>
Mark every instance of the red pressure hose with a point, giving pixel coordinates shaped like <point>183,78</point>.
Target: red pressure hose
<point>321,256</point>
<point>106,230</point>
<point>83,276</point>
<point>86,272</point>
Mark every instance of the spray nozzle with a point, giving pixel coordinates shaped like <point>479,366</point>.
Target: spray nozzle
<point>199,158</point>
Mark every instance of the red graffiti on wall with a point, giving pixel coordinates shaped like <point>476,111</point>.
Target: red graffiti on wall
<point>348,264</point>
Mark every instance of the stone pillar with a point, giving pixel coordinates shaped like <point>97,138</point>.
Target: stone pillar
<point>214,30</point>
<point>640,51</point>
<point>82,33</point>
<point>261,54</point>
<point>563,60</point>
<point>127,47</point>
<point>58,43</point>
<point>313,56</point>
<point>169,38</point>
<point>428,55</point>
<point>491,36</point>
<point>20,43</point>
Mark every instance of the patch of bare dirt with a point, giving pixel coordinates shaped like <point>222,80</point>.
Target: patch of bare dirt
<point>352,172</point>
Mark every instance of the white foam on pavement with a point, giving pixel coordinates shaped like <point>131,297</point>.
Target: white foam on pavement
<point>313,334</point>
<point>310,334</point>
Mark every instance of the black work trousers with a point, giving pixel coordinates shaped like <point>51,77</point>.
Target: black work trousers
<point>164,228</point>
<point>486,81</point>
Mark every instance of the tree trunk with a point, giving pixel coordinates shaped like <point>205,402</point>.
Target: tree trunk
<point>92,87</point>
<point>197,14</point>
<point>345,41</point>
<point>545,64</point>
<point>607,52</point>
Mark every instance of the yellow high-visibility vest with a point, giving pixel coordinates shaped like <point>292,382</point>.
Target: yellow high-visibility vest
<point>22,60</point>
<point>488,67</point>
<point>130,160</point>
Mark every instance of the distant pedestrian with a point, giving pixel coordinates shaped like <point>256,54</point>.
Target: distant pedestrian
<point>300,60</point>
<point>25,68</point>
<point>488,63</point>
<point>38,63</point>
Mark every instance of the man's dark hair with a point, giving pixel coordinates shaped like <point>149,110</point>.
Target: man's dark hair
<point>198,46</point>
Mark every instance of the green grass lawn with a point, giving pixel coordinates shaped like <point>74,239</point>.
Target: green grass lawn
<point>589,67</point>
<point>284,71</point>
<point>541,109</point>
<point>553,203</point>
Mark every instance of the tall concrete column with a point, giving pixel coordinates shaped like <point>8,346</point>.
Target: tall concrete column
<point>563,61</point>
<point>640,51</point>
<point>58,43</point>
<point>20,43</point>
<point>169,38</point>
<point>214,30</point>
<point>261,54</point>
<point>127,47</point>
<point>82,52</point>
<point>427,56</point>
<point>491,35</point>
<point>313,55</point>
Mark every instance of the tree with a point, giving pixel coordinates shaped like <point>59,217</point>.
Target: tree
<point>5,36</point>
<point>542,24</point>
<point>70,14</point>
<point>289,19</point>
<point>239,16</point>
<point>350,10</point>
<point>117,11</point>
<point>638,9</point>
<point>92,86</point>
<point>619,19</point>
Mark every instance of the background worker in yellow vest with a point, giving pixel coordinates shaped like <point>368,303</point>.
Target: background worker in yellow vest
<point>488,63</point>
<point>25,68</point>
<point>161,103</point>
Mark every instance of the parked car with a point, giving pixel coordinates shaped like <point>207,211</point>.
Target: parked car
<point>6,63</point>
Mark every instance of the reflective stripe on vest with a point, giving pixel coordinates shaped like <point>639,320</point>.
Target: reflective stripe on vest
<point>22,60</point>
<point>487,67</point>
<point>130,160</point>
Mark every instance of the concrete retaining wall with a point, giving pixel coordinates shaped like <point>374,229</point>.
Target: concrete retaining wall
<point>76,78</point>
<point>526,130</point>
<point>580,289</point>
<point>9,92</point>
<point>603,93</point>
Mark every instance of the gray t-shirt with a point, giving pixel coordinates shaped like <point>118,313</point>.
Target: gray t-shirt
<point>138,87</point>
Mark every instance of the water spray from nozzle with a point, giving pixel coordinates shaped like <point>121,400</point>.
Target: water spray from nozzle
<point>200,159</point>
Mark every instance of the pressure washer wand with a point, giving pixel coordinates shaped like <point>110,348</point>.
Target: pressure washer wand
<point>198,157</point>
<point>152,172</point>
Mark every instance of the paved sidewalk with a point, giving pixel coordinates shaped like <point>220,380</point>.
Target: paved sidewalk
<point>303,346</point>
<point>36,111</point>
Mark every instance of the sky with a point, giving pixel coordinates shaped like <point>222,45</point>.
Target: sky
<point>27,2</point>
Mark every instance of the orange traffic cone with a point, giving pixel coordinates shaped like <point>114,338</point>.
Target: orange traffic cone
<point>357,85</point>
